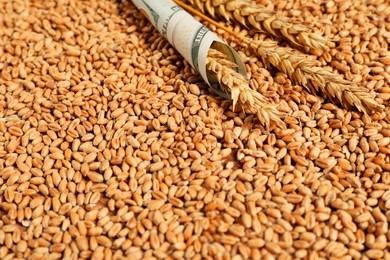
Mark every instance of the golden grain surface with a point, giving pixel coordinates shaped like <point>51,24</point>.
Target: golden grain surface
<point>112,147</point>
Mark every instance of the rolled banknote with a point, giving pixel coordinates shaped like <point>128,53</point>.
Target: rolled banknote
<point>188,36</point>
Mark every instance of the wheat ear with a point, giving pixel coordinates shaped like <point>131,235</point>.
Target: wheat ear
<point>305,72</point>
<point>238,86</point>
<point>256,16</point>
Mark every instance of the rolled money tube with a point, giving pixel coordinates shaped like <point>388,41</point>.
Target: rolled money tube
<point>189,37</point>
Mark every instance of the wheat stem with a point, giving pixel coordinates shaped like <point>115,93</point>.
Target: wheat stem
<point>196,12</point>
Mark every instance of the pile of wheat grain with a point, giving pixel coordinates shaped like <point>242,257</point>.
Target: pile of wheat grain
<point>112,147</point>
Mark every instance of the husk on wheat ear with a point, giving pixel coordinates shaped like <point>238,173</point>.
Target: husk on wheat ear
<point>255,16</point>
<point>237,86</point>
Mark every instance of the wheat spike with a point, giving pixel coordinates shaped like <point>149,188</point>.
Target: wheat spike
<point>238,86</point>
<point>305,71</point>
<point>256,16</point>
<point>302,69</point>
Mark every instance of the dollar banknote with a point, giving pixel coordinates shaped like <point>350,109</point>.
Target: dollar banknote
<point>188,36</point>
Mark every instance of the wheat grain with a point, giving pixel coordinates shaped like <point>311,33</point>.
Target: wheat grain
<point>238,86</point>
<point>256,16</point>
<point>7,119</point>
<point>305,71</point>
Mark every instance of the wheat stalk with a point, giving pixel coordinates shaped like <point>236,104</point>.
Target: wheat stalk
<point>256,16</point>
<point>238,86</point>
<point>305,71</point>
